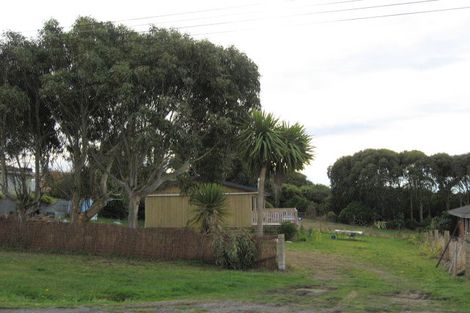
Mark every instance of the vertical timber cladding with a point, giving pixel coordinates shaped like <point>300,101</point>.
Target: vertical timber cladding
<point>170,208</point>
<point>466,243</point>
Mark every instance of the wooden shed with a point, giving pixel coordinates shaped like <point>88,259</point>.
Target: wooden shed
<point>464,214</point>
<point>170,208</point>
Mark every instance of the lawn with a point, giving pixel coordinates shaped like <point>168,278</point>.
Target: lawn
<point>58,280</point>
<point>380,272</point>
<point>383,271</point>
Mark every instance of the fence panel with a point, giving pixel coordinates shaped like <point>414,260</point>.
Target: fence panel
<point>101,239</point>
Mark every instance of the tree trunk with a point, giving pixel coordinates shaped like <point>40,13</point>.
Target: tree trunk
<point>277,185</point>
<point>260,202</point>
<point>76,195</point>
<point>134,201</point>
<point>75,214</point>
<point>421,218</point>
<point>37,175</point>
<point>4,174</point>
<point>411,206</point>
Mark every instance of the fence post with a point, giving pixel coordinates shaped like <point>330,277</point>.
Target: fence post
<point>466,243</point>
<point>281,252</point>
<point>447,255</point>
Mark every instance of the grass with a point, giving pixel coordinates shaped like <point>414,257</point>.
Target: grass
<point>384,272</point>
<point>39,280</point>
<point>380,272</point>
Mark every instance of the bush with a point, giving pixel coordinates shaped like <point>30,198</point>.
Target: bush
<point>114,209</point>
<point>46,199</point>
<point>302,234</point>
<point>356,213</point>
<point>412,224</point>
<point>270,230</point>
<point>235,249</point>
<point>331,217</point>
<point>442,222</point>
<point>288,229</point>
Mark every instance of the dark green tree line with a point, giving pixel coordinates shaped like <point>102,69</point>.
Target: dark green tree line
<point>407,185</point>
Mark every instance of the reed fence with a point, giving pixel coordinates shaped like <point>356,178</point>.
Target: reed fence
<point>101,239</point>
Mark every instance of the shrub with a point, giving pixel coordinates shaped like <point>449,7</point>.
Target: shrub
<point>302,234</point>
<point>442,222</point>
<point>46,199</point>
<point>380,224</point>
<point>412,224</point>
<point>356,213</point>
<point>114,209</point>
<point>210,209</point>
<point>331,216</point>
<point>235,249</point>
<point>288,229</point>
<point>270,229</point>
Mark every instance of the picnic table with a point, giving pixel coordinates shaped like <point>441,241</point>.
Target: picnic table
<point>347,233</point>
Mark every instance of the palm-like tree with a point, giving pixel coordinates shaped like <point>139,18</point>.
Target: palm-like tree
<point>210,210</point>
<point>262,146</point>
<point>298,152</point>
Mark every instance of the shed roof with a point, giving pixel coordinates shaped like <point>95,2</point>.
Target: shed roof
<point>463,212</point>
<point>238,186</point>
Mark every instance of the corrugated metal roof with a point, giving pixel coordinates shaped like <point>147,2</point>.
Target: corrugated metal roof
<point>241,187</point>
<point>463,212</point>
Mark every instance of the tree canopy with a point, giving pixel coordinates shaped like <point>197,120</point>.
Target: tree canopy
<point>407,185</point>
<point>131,110</point>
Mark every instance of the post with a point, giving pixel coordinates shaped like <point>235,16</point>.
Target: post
<point>466,243</point>
<point>447,238</point>
<point>461,226</point>
<point>281,252</point>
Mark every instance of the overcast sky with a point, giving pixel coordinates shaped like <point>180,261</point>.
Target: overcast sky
<point>397,82</point>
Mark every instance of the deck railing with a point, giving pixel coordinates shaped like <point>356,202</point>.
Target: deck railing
<point>277,216</point>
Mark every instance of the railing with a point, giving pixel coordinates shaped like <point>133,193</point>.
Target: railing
<point>277,216</point>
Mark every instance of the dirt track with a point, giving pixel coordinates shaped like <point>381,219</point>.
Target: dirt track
<point>179,306</point>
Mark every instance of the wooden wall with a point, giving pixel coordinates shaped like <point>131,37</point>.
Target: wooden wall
<point>168,208</point>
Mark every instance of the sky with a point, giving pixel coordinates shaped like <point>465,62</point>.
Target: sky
<point>357,74</point>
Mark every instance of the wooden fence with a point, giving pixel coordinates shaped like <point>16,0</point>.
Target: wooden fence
<point>101,239</point>
<point>455,255</point>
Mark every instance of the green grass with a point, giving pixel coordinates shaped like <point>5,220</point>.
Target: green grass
<point>386,264</point>
<point>31,280</point>
<point>375,273</point>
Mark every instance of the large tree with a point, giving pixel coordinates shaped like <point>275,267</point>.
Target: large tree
<point>179,102</point>
<point>24,63</point>
<point>80,93</point>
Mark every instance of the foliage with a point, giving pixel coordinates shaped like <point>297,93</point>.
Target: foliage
<point>114,209</point>
<point>312,199</point>
<point>235,249</point>
<point>380,224</point>
<point>356,213</point>
<point>442,222</point>
<point>289,230</point>
<point>306,234</point>
<point>396,223</point>
<point>47,199</point>
<point>131,110</point>
<point>210,210</point>
<point>408,185</point>
<point>264,145</point>
<point>331,216</point>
